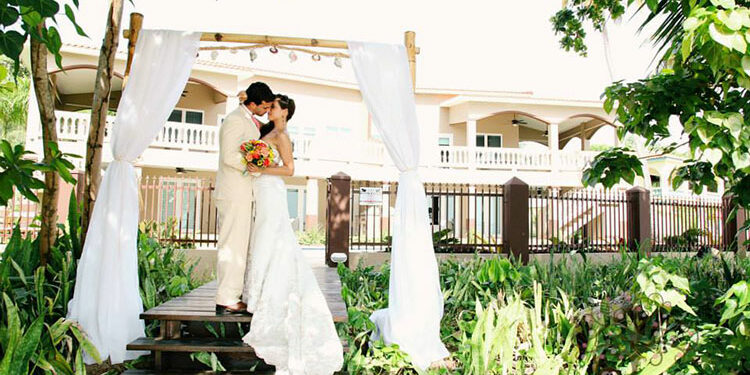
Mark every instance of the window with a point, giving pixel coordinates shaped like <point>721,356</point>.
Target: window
<point>187,116</point>
<point>445,139</point>
<point>489,140</point>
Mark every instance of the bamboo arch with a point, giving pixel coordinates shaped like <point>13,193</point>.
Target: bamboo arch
<point>136,23</point>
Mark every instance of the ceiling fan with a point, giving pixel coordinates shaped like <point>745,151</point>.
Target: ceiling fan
<point>517,122</point>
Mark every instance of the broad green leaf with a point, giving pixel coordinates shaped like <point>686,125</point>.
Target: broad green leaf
<point>47,8</point>
<point>27,347</point>
<point>713,155</point>
<point>691,23</point>
<point>85,343</point>
<point>11,44</point>
<point>8,15</point>
<point>687,45</point>
<point>746,64</point>
<point>726,4</point>
<point>659,363</point>
<point>58,330</point>
<point>738,43</point>
<point>714,117</point>
<point>71,16</point>
<point>734,122</point>
<point>724,38</point>
<point>740,159</point>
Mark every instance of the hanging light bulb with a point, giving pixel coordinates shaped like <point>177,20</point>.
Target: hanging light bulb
<point>214,55</point>
<point>253,55</point>
<point>273,49</point>
<point>316,57</point>
<point>337,62</point>
<point>292,56</point>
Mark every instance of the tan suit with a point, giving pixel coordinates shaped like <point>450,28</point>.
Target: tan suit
<point>234,201</point>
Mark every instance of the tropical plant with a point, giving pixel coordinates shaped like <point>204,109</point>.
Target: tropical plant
<point>702,85</point>
<point>14,104</point>
<point>314,236</point>
<point>634,315</point>
<point>36,337</point>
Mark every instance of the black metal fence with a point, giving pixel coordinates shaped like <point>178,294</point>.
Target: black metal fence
<point>463,218</point>
<point>576,219</point>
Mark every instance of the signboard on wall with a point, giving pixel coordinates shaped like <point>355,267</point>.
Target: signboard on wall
<point>370,196</point>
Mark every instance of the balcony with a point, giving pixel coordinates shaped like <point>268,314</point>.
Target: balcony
<point>196,147</point>
<point>513,159</point>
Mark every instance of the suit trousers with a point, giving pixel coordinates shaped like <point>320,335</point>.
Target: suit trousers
<point>235,227</point>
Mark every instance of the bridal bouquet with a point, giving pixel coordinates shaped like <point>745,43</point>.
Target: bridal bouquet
<point>256,152</point>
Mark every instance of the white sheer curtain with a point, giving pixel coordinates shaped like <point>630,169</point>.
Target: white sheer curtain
<point>106,301</point>
<point>415,304</point>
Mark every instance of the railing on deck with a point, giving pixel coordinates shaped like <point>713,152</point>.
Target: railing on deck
<point>179,210</point>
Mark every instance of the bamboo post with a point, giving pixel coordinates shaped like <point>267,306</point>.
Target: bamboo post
<point>411,52</point>
<point>136,22</point>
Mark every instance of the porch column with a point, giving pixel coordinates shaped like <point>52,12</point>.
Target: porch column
<point>553,137</point>
<point>585,142</point>
<point>553,142</point>
<point>471,141</point>
<point>311,204</point>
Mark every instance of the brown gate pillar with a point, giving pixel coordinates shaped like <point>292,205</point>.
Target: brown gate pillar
<point>639,220</point>
<point>516,219</point>
<point>338,218</point>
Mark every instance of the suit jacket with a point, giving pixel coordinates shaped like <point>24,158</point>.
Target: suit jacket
<point>231,181</point>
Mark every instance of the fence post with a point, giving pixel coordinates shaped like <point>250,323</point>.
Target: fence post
<point>734,238</point>
<point>338,217</point>
<point>639,219</point>
<point>516,219</point>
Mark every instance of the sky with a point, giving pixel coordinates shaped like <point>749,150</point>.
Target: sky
<point>469,45</point>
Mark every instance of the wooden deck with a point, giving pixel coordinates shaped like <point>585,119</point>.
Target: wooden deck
<point>189,324</point>
<point>199,304</point>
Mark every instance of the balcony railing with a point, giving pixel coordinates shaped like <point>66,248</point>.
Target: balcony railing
<point>202,141</point>
<point>513,158</point>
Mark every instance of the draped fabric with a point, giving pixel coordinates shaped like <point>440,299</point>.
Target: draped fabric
<point>106,301</point>
<point>415,304</point>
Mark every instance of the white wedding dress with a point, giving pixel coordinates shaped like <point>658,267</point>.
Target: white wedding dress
<point>292,327</point>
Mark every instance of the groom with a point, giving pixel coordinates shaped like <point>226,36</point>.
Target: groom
<point>234,196</point>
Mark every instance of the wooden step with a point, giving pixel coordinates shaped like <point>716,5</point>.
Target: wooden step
<point>190,345</point>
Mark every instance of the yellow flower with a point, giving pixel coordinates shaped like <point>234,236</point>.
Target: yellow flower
<point>260,163</point>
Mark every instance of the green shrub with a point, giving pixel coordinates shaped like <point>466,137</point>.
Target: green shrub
<point>35,337</point>
<point>634,315</point>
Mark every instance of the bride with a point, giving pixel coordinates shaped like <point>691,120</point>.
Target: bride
<point>292,327</point>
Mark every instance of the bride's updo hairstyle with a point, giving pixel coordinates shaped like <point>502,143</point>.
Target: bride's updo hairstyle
<point>287,103</point>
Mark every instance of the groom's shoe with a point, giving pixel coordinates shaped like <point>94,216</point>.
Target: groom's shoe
<point>237,308</point>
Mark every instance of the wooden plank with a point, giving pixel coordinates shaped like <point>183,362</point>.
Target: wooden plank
<point>190,345</point>
<point>199,304</point>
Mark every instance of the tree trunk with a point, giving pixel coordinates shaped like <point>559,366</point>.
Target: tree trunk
<point>99,108</point>
<point>43,91</point>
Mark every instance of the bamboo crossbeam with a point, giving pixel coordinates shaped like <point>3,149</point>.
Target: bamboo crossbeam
<point>267,40</point>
